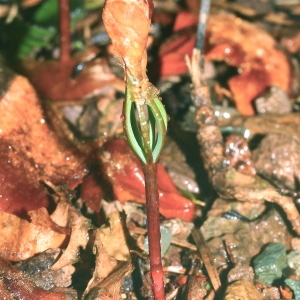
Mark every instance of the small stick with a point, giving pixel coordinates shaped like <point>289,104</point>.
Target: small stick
<point>207,258</point>
<point>201,30</point>
<point>64,28</point>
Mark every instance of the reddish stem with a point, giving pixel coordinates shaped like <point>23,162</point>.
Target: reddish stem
<point>152,203</point>
<point>64,28</point>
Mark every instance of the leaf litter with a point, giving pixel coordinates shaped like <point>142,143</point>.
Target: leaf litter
<point>53,231</point>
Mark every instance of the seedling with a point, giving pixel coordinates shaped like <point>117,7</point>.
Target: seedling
<point>145,120</point>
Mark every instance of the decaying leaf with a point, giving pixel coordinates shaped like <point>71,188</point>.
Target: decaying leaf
<point>41,152</point>
<point>20,239</point>
<point>95,79</point>
<point>38,269</point>
<point>66,215</point>
<point>18,185</point>
<point>15,285</point>
<point>111,265</point>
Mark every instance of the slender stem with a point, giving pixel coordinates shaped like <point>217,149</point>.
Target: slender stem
<point>152,203</point>
<point>64,28</point>
<point>201,30</point>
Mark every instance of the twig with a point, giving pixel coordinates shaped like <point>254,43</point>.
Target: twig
<point>201,29</point>
<point>209,135</point>
<point>64,27</point>
<point>207,258</point>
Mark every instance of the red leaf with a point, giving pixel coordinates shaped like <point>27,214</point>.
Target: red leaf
<point>126,175</point>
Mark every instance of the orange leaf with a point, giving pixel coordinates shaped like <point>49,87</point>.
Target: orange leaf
<point>254,52</point>
<point>129,37</point>
<point>240,44</point>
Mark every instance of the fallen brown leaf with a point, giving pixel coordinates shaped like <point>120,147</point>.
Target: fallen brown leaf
<point>109,272</point>
<point>66,215</point>
<point>118,249</point>
<point>21,239</point>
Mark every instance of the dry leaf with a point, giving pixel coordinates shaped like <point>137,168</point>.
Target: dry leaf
<point>91,192</point>
<point>20,190</point>
<point>66,215</point>
<point>115,232</point>
<point>20,239</point>
<point>173,51</point>
<point>129,38</point>
<point>109,273</point>
<point>254,52</point>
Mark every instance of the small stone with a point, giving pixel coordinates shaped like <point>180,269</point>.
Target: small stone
<point>293,261</point>
<point>165,240</point>
<point>295,243</point>
<point>269,264</point>
<point>274,101</point>
<point>240,272</point>
<point>242,290</point>
<point>295,286</point>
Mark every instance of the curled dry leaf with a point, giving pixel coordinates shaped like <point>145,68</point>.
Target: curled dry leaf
<point>15,285</point>
<point>109,272</point>
<point>66,215</point>
<point>240,44</point>
<point>128,37</point>
<point>115,232</point>
<point>125,173</point>
<point>32,238</point>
